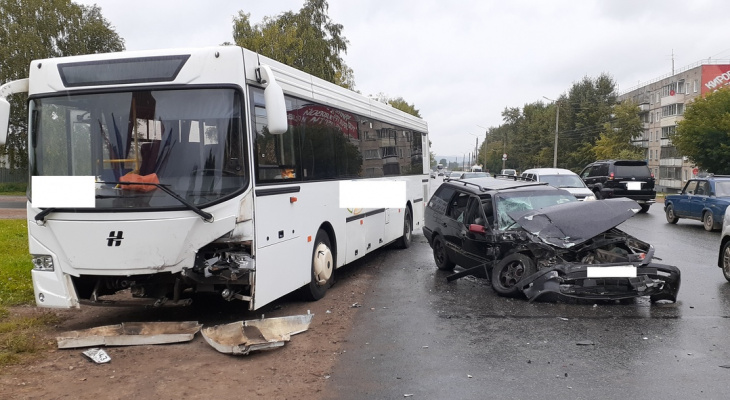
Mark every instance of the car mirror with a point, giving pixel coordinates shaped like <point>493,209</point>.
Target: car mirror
<point>480,229</point>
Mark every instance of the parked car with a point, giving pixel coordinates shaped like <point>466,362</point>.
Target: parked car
<point>703,199</point>
<point>723,259</point>
<point>509,171</point>
<point>531,239</point>
<point>562,179</point>
<point>621,178</point>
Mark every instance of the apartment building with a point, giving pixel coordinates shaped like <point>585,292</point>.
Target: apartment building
<point>662,102</point>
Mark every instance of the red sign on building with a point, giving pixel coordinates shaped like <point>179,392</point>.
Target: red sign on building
<point>714,77</point>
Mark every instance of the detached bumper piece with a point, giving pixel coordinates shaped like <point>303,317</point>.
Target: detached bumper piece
<point>130,334</point>
<point>244,337</point>
<point>658,281</point>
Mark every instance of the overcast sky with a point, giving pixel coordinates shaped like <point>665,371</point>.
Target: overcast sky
<point>461,62</point>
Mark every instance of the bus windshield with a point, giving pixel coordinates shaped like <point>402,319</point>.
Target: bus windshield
<point>190,141</point>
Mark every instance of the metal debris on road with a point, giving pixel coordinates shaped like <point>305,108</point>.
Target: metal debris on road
<point>356,305</point>
<point>130,334</point>
<point>244,337</point>
<point>97,355</point>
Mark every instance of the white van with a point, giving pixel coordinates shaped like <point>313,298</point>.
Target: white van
<point>561,178</point>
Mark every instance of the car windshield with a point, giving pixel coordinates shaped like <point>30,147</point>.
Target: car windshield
<point>563,181</point>
<point>525,201</point>
<point>188,141</point>
<point>475,175</point>
<point>722,188</point>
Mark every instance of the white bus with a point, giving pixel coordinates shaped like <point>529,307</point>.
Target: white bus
<point>216,170</point>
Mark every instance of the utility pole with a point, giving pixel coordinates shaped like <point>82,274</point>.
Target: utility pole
<point>557,119</point>
<point>555,151</point>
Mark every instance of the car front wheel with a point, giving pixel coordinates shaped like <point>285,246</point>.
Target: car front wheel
<point>726,260</point>
<point>671,217</point>
<point>508,273</point>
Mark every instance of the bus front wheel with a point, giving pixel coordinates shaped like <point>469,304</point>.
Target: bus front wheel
<point>404,241</point>
<point>323,268</point>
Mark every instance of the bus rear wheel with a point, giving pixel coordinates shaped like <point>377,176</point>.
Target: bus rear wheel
<point>323,268</point>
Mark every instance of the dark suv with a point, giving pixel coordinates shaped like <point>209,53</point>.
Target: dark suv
<point>531,239</point>
<point>621,178</point>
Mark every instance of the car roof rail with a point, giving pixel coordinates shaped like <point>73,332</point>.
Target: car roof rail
<point>487,188</point>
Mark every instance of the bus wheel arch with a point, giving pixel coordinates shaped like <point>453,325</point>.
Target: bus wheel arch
<point>323,264</point>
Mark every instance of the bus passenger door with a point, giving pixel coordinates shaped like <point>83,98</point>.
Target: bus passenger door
<point>280,265</point>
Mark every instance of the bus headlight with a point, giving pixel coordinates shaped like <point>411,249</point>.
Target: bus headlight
<point>42,262</point>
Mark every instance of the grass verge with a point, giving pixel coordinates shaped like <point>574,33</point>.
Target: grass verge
<point>13,189</point>
<point>23,336</point>
<point>21,333</point>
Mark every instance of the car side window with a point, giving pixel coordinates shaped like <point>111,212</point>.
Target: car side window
<point>457,208</point>
<point>586,172</point>
<point>602,170</point>
<point>440,200</point>
<point>474,212</point>
<point>703,188</point>
<point>691,187</point>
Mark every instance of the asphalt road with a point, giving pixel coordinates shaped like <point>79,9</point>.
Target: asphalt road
<point>418,335</point>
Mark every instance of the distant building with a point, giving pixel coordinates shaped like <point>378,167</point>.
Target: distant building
<point>662,102</point>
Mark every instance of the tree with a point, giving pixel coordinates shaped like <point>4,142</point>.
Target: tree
<point>615,139</point>
<point>36,29</point>
<point>307,40</point>
<point>704,133</point>
<point>400,104</point>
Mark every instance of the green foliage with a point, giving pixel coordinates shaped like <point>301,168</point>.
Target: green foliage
<point>615,139</point>
<point>704,133</point>
<point>36,29</point>
<point>400,104</point>
<point>527,135</point>
<point>16,286</point>
<point>307,40</point>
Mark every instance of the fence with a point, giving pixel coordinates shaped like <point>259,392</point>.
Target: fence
<point>13,175</point>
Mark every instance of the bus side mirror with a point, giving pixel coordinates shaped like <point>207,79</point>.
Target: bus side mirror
<point>4,118</point>
<point>274,98</point>
<point>19,86</point>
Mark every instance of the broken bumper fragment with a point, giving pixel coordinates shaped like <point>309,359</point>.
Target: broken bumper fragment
<point>658,281</point>
<point>130,334</point>
<point>244,337</point>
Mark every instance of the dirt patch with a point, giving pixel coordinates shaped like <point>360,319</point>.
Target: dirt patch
<point>194,370</point>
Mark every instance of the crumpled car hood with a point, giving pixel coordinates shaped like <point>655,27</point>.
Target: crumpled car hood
<point>570,224</point>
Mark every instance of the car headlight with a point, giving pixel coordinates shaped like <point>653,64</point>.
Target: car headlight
<point>42,262</point>
<point>591,197</point>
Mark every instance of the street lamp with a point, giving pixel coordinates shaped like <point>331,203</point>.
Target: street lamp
<point>476,147</point>
<point>557,118</point>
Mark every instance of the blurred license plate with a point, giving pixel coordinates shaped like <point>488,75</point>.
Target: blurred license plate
<point>628,271</point>
<point>633,185</point>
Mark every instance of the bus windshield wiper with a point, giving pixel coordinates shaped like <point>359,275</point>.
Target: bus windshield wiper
<point>207,217</point>
<point>41,216</point>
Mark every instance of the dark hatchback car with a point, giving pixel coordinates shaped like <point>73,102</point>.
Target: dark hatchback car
<point>703,199</point>
<point>621,178</point>
<point>532,239</point>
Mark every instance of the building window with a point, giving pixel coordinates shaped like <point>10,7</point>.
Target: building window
<point>696,84</point>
